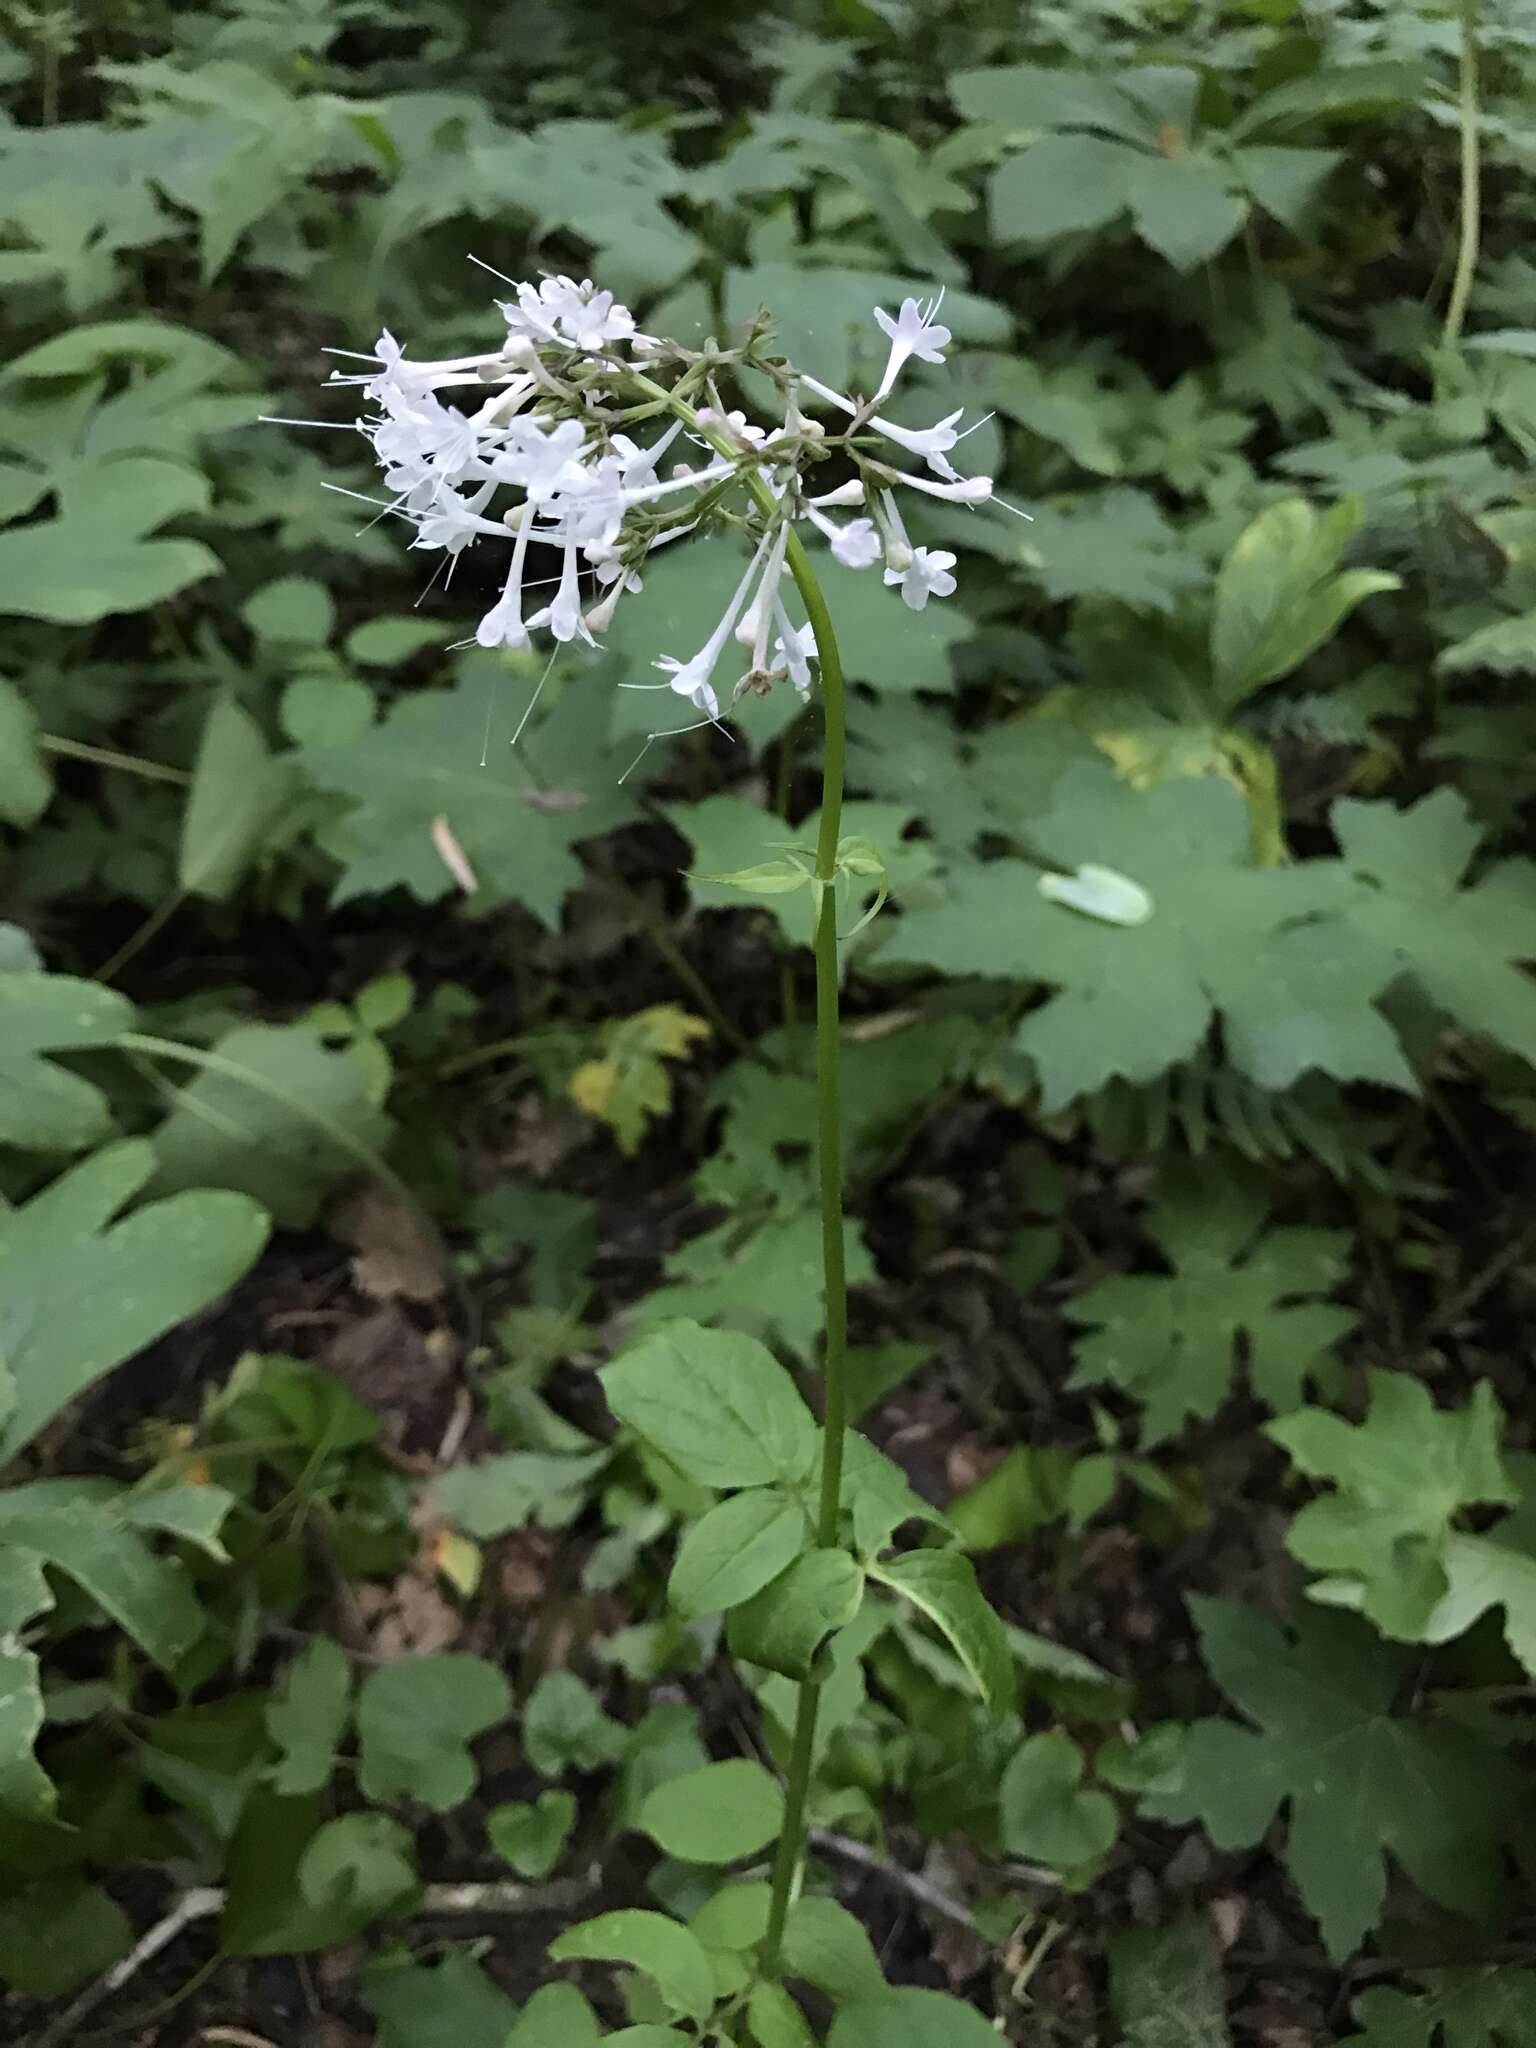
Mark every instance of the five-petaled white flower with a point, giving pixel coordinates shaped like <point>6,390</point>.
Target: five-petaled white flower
<point>914,332</point>
<point>926,575</point>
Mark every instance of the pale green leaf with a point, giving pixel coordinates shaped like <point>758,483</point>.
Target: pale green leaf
<point>725,1811</point>
<point>415,1720</point>
<point>1045,1812</point>
<point>941,1584</point>
<point>734,1549</point>
<point>673,1958</point>
<point>715,1402</point>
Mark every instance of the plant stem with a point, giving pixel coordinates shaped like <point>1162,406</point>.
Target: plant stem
<point>791,1848</point>
<point>108,757</point>
<point>1471,180</point>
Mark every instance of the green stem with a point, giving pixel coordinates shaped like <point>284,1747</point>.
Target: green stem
<point>108,757</point>
<point>791,1849</point>
<point>1471,180</point>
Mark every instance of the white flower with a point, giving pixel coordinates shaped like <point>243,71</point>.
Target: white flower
<point>855,545</point>
<point>503,624</point>
<point>452,522</point>
<point>961,490</point>
<point>914,332</point>
<point>565,620</point>
<point>932,443</point>
<point>794,648</point>
<point>926,575</point>
<point>691,679</point>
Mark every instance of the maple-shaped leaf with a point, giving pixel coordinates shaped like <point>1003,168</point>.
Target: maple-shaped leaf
<point>1401,1478</point>
<point>1254,945</point>
<point>1169,1341</point>
<point>627,1083</point>
<point>1460,946</point>
<point>1493,2006</point>
<point>759,1273</point>
<point>1359,1781</point>
<point>515,820</point>
<point>44,1106</point>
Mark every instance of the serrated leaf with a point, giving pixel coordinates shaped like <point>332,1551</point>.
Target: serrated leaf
<point>490,1496</point>
<point>415,1720</point>
<point>941,1584</point>
<point>717,1403</point>
<point>1170,1343</point>
<point>307,1720</point>
<point>628,1085</point>
<point>1360,1781</point>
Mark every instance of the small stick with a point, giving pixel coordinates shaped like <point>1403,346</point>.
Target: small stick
<point>926,1893</point>
<point>197,1904</point>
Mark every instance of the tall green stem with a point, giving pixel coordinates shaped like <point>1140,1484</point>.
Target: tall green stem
<point>1471,180</point>
<point>829,1159</point>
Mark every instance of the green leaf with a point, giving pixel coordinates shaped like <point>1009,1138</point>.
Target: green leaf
<point>236,789</point>
<point>77,1298</point>
<point>1506,647</point>
<point>1185,208</point>
<point>1170,1342</point>
<point>734,1549</point>
<point>784,1626</point>
<point>775,2020</point>
<point>451,2003</point>
<point>1286,182</point>
<point>531,1837</point>
<point>26,787</point>
<point>1341,92</point>
<point>43,1106</point>
<point>826,1946</point>
<point>1061,185</point>
<point>308,1719</point>
<point>557,2016</point>
<point>932,2017</point>
<point>422,764</point>
<point>1360,1780</point>
<point>396,637</point>
<point>59,1934</point>
<point>767,1280</point>
<point>1279,596</point>
<point>415,1721</point>
<point>565,1729</point>
<point>1045,1813</point>
<point>942,1585</point>
<point>673,1958</point>
<point>276,1128</point>
<point>291,611</point>
<point>26,1791</point>
<point>362,1864</point>
<point>494,1495</point>
<point>1493,2006</point>
<point>714,1815</point>
<point>1402,1476</point>
<point>718,1404</point>
<point>1165,1986</point>
<point>1295,989</point>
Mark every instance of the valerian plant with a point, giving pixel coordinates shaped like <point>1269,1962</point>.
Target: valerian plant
<point>583,437</point>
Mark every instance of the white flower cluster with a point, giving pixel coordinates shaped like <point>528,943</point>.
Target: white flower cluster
<point>528,445</point>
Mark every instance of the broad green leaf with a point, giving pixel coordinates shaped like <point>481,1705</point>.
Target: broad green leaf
<point>1061,185</point>
<point>1047,97</point>
<point>79,1295</point>
<point>292,611</point>
<point>25,784</point>
<point>1334,92</point>
<point>93,1543</point>
<point>98,556</point>
<point>775,2019</point>
<point>43,1106</point>
<point>1411,916</point>
<point>828,1947</point>
<point>1279,595</point>
<point>1170,1342</point>
<point>1295,989</point>
<point>1506,647</point>
<point>361,1864</point>
<point>58,1934</point>
<point>734,1549</point>
<point>282,1117</point>
<point>1185,208</point>
<point>516,824</point>
<point>237,787</point>
<point>934,2018</point>
<point>415,1721</point>
<point>491,1496</point>
<point>941,1584</point>
<point>1046,1813</point>
<point>1489,2006</point>
<point>1401,1479</point>
<point>1286,182</point>
<point>1482,1572</point>
<point>667,1953</point>
<point>1165,1986</point>
<point>565,1729</point>
<point>1360,1780</point>
<point>715,1815</point>
<point>385,642</point>
<point>767,1281</point>
<point>309,1717</point>
<point>717,1403</point>
<point>26,1792</point>
<point>450,2003</point>
<point>557,2016</point>
<point>531,1837</point>
<point>784,1626</point>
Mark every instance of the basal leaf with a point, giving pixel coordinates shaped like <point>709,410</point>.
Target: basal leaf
<point>415,1720</point>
